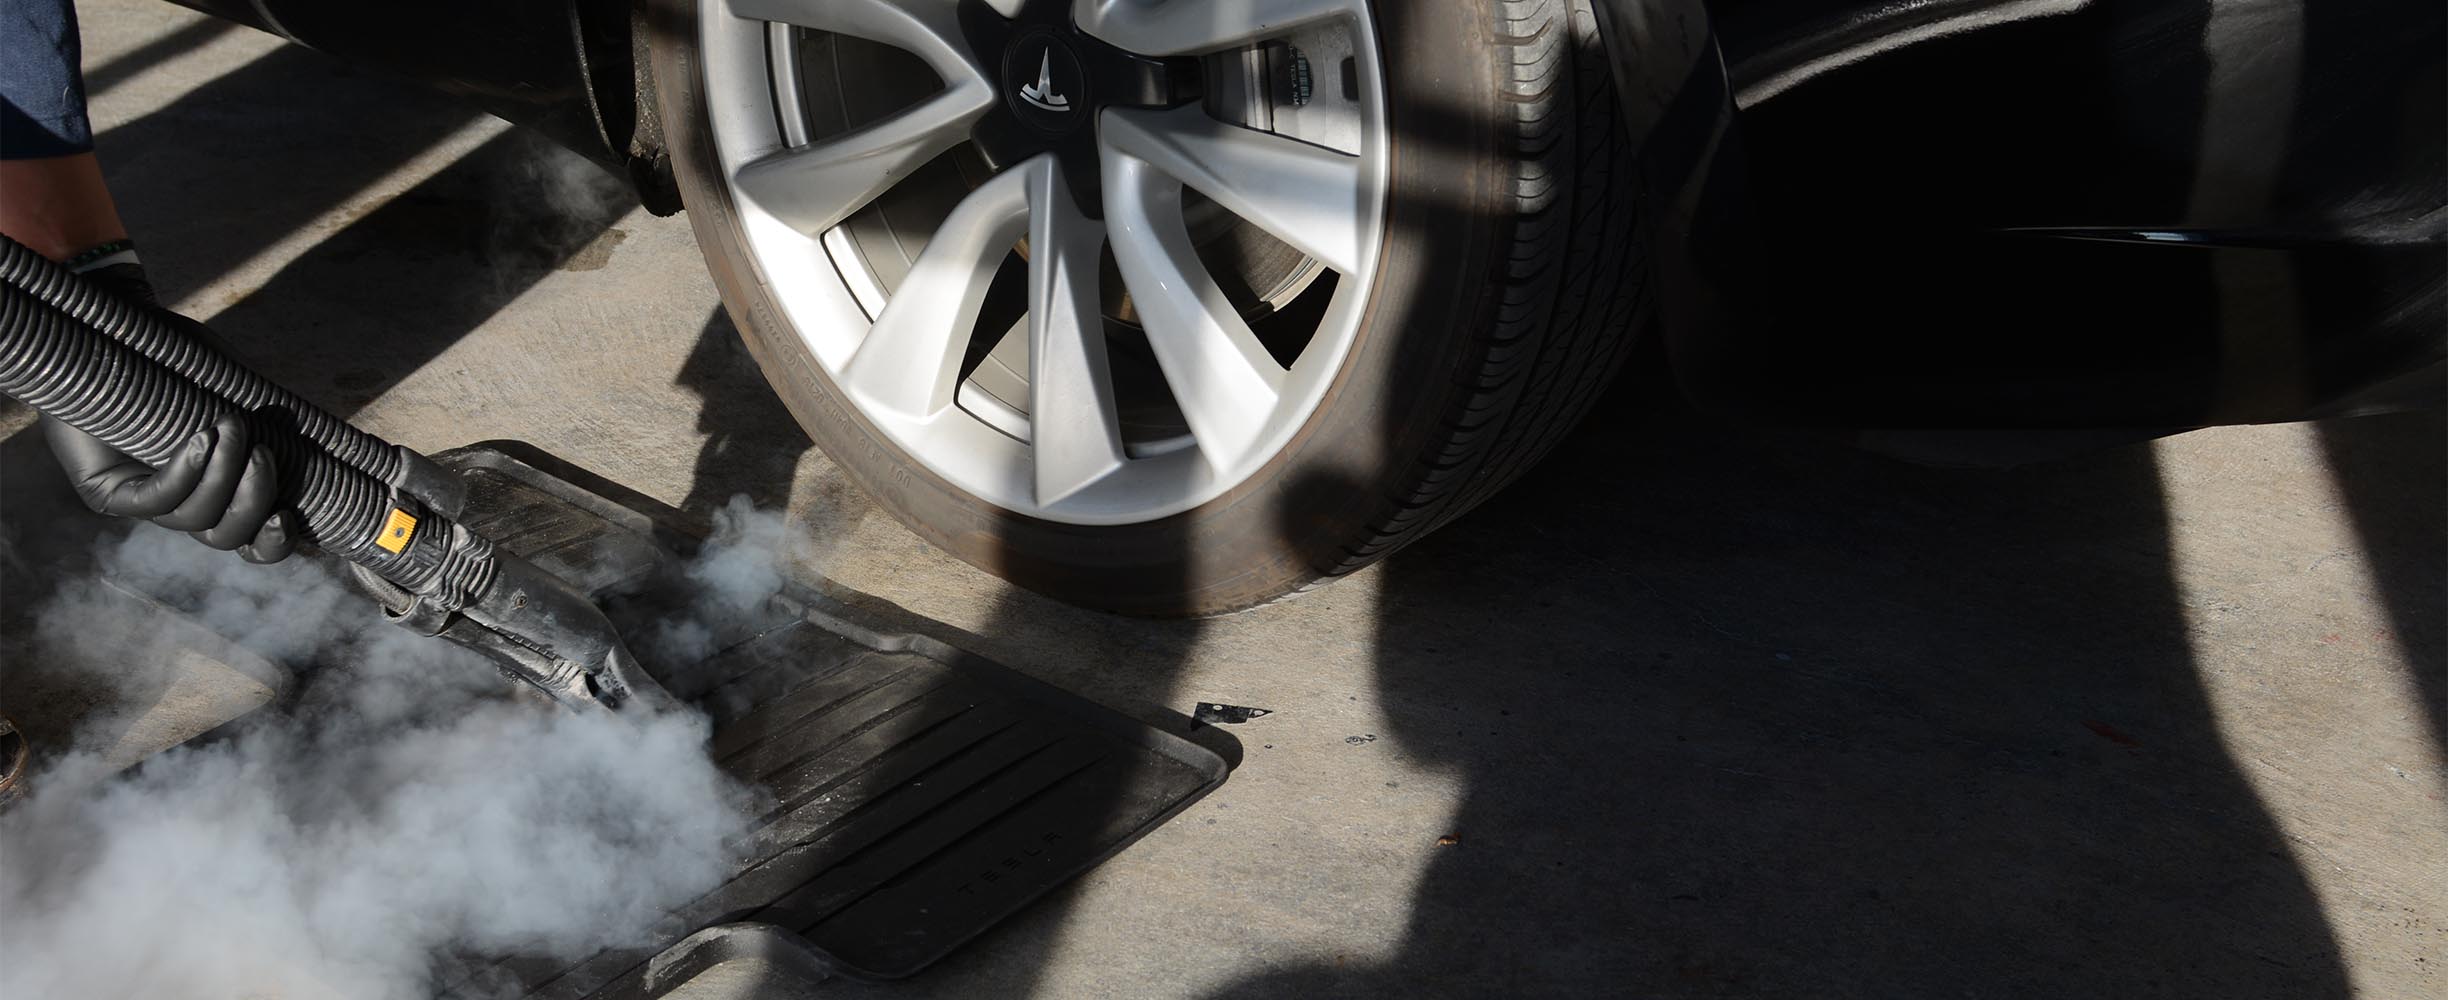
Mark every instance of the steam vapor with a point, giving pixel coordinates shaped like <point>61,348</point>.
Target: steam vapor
<point>402,820</point>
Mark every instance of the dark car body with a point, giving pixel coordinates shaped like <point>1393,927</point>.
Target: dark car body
<point>572,70</point>
<point>2085,213</point>
<point>2065,218</point>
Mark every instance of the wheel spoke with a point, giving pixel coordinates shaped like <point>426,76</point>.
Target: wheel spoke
<point>813,187</point>
<point>1189,27</point>
<point>929,29</point>
<point>1222,378</point>
<point>911,358</point>
<point>1307,196</point>
<point>1075,432</point>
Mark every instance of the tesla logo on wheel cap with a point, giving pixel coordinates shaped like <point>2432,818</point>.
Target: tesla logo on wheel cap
<point>1045,85</point>
<point>1042,92</point>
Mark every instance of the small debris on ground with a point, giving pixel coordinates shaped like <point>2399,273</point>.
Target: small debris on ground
<point>2110,733</point>
<point>1360,739</point>
<point>1227,715</point>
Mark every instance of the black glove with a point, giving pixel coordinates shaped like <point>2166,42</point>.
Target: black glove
<point>220,488</point>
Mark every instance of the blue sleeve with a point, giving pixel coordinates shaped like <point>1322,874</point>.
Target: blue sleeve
<point>42,86</point>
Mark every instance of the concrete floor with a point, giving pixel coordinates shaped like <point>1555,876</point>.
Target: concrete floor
<point>1691,711</point>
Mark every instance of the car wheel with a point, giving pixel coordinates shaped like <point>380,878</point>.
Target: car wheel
<point>1169,308</point>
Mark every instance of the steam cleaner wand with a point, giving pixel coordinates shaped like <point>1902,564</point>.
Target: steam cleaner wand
<point>121,373</point>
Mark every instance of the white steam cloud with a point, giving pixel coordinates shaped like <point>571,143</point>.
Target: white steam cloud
<point>403,818</point>
<point>731,583</point>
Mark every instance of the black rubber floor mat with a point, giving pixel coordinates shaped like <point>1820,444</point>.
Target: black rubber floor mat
<point>919,794</point>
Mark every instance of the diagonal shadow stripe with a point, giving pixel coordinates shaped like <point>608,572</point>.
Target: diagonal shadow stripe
<point>239,163</point>
<point>378,299</point>
<point>2390,471</point>
<point>121,68</point>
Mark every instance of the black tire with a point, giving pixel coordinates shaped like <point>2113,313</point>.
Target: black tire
<point>1506,299</point>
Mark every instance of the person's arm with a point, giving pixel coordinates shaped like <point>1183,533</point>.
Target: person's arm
<point>51,193</point>
<point>222,487</point>
<point>56,205</point>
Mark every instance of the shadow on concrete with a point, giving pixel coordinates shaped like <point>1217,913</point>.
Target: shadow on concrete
<point>753,444</point>
<point>1768,717</point>
<point>192,177</point>
<point>375,301</point>
<point>123,67</point>
<point>2392,472</point>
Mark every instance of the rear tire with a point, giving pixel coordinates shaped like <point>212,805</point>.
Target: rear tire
<point>1503,299</point>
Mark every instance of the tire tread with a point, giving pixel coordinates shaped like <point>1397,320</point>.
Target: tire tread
<point>1572,282</point>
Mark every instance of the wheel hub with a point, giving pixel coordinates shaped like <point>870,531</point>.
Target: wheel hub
<point>1054,79</point>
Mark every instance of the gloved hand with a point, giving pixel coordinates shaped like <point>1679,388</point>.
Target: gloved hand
<point>220,488</point>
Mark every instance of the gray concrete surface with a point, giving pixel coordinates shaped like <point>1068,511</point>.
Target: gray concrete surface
<point>1691,711</point>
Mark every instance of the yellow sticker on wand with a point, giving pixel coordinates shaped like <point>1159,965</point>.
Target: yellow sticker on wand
<point>397,531</point>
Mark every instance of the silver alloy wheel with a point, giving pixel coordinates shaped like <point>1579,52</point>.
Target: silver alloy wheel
<point>899,359</point>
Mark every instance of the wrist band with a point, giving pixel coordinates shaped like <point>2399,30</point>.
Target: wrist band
<point>105,255</point>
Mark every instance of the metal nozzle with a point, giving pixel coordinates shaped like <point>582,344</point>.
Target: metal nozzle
<point>547,635</point>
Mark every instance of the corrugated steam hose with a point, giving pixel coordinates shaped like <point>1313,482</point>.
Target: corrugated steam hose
<point>140,385</point>
<point>145,332</point>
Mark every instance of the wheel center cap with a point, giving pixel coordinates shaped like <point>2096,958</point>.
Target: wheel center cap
<point>1045,84</point>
